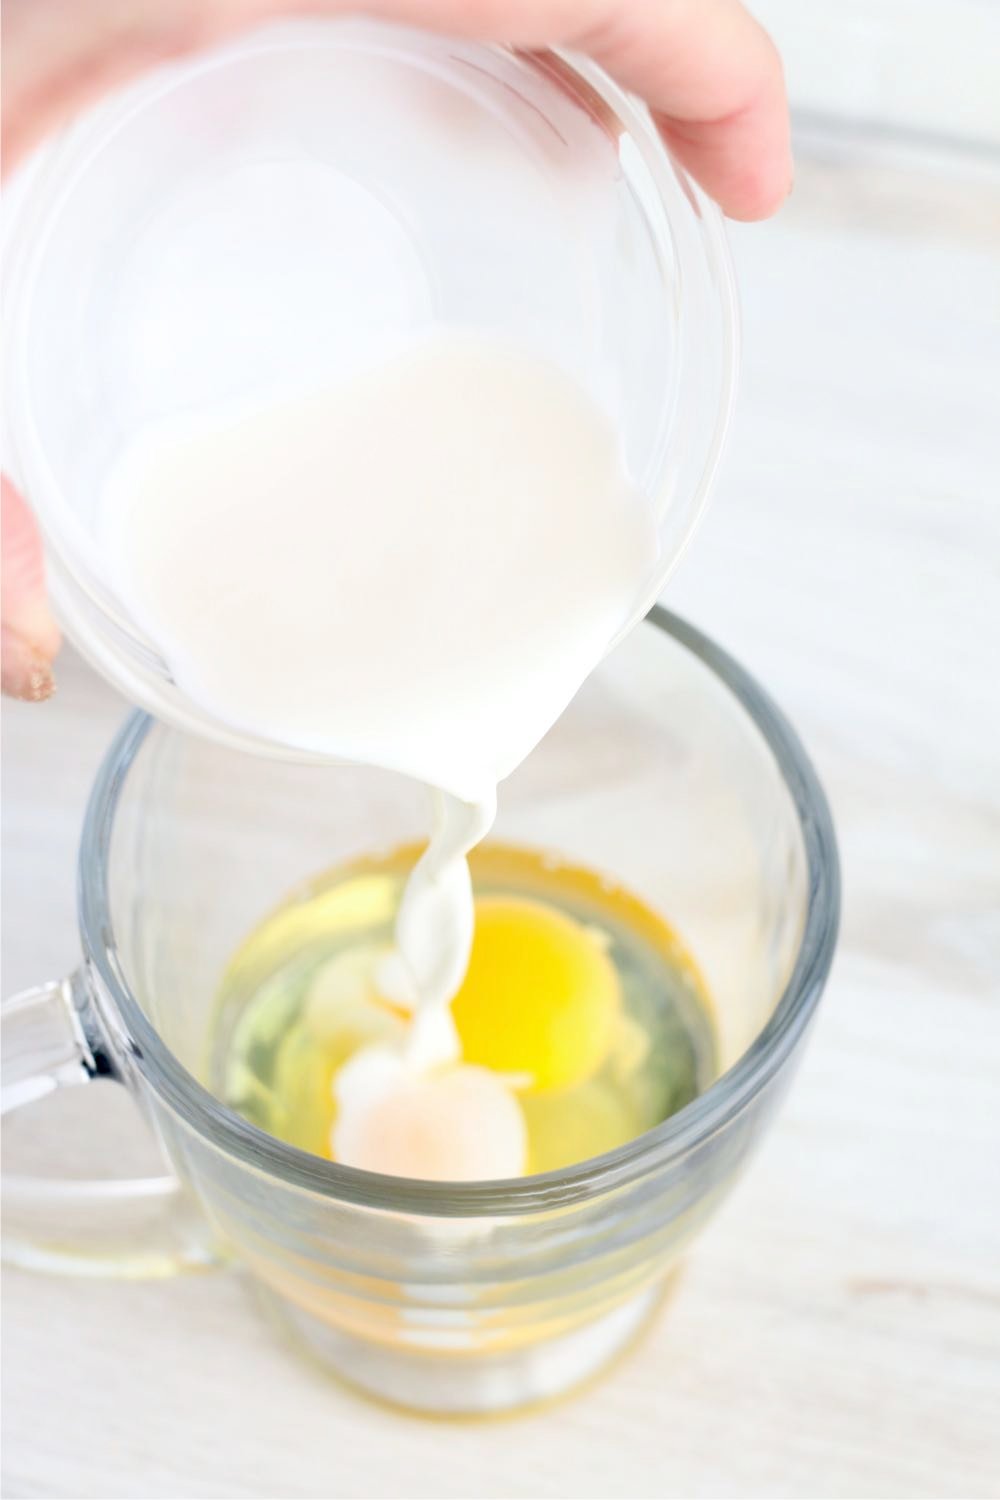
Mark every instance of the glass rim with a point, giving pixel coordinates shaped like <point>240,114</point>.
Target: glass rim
<point>657,1149</point>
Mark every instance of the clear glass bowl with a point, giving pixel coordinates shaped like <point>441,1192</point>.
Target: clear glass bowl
<point>671,773</point>
<point>291,207</point>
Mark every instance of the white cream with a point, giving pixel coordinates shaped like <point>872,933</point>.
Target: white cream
<point>434,928</point>
<point>415,569</point>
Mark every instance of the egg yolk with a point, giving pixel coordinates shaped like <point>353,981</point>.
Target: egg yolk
<point>540,998</point>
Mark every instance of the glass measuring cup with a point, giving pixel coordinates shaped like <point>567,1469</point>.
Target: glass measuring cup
<point>673,774</point>
<point>290,208</point>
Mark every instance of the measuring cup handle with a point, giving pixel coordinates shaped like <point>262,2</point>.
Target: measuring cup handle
<point>134,1227</point>
<point>44,1046</point>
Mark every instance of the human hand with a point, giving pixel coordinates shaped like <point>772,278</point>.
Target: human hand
<point>707,70</point>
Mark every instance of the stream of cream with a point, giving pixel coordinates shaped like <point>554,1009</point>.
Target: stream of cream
<point>413,569</point>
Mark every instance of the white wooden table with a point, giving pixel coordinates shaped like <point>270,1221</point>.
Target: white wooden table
<point>837,1332</point>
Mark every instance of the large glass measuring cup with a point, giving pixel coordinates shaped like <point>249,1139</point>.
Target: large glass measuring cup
<point>672,773</point>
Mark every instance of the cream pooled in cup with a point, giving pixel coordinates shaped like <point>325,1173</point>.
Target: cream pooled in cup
<point>414,569</point>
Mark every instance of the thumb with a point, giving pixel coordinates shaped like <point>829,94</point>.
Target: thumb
<point>30,636</point>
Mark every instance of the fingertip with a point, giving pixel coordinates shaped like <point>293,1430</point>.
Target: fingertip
<point>26,671</point>
<point>744,163</point>
<point>28,623</point>
<point>758,196</point>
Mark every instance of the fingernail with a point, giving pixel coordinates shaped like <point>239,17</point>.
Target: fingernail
<point>41,683</point>
<point>26,673</point>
